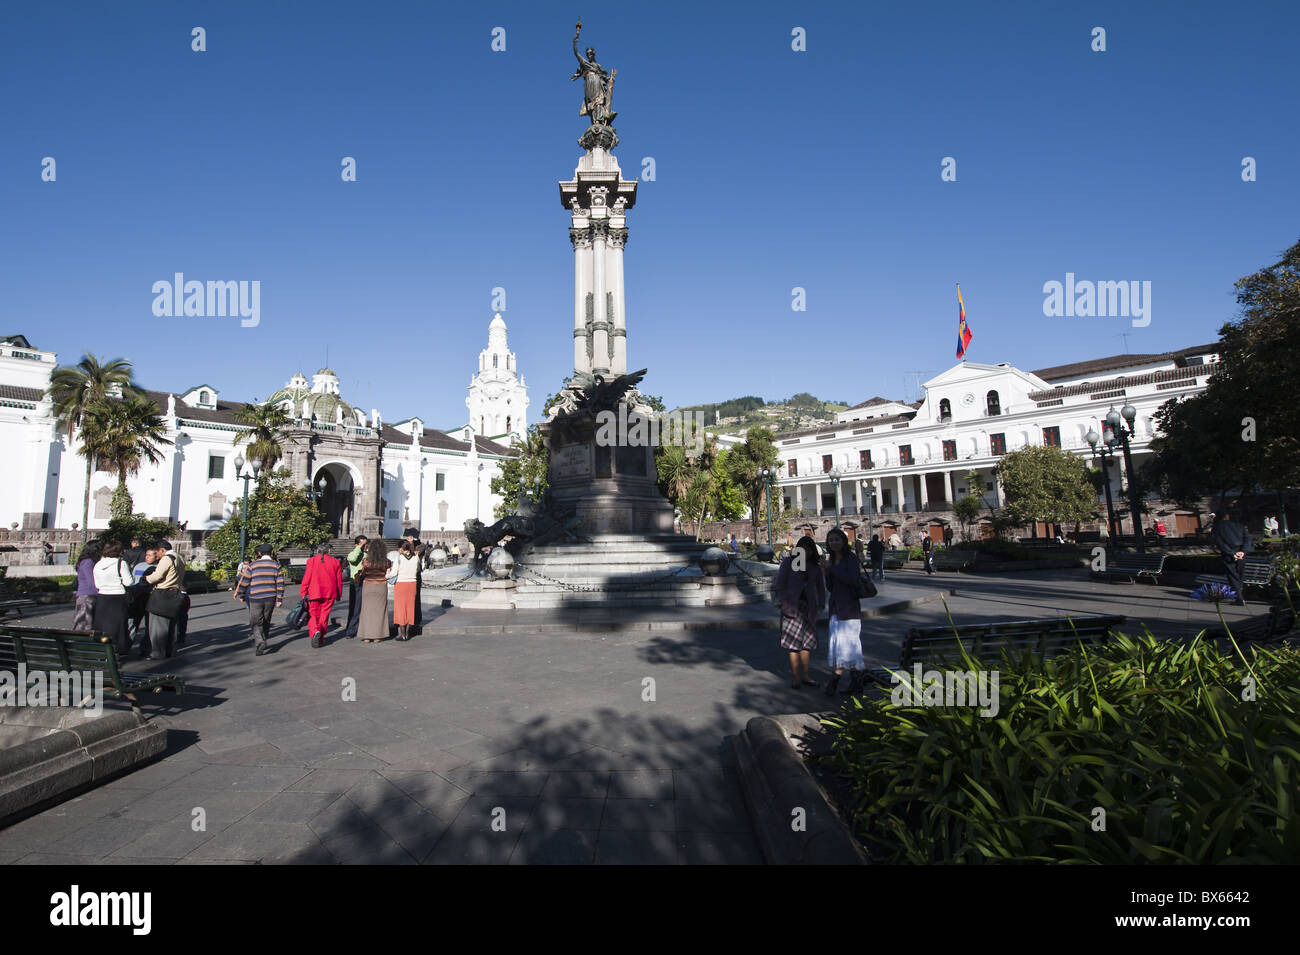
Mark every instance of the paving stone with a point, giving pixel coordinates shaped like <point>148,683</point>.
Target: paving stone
<point>550,812</point>
<point>369,846</point>
<point>555,847</point>
<point>171,840</point>
<point>576,784</point>
<point>247,840</point>
<point>717,848</point>
<point>328,781</point>
<point>641,785</point>
<point>635,848</point>
<point>292,807</point>
<point>492,784</point>
<point>96,841</point>
<point>723,814</point>
<point>638,814</point>
<point>416,832</point>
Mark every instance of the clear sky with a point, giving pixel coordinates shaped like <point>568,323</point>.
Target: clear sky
<point>774,169</point>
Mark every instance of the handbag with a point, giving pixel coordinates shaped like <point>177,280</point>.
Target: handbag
<point>165,603</point>
<point>298,616</point>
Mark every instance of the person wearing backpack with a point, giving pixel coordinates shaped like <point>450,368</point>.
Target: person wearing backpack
<point>843,582</point>
<point>112,578</point>
<point>322,584</point>
<point>165,602</point>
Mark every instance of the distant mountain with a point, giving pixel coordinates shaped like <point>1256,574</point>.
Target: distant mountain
<point>738,414</point>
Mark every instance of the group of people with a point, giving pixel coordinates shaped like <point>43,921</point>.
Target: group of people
<point>805,583</point>
<point>133,595</point>
<point>370,567</point>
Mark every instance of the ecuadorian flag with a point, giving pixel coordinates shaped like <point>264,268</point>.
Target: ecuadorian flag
<point>963,330</point>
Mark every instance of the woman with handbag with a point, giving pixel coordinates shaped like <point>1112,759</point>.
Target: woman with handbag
<point>801,591</point>
<point>165,602</point>
<point>84,617</point>
<point>373,581</point>
<point>844,581</point>
<point>112,578</point>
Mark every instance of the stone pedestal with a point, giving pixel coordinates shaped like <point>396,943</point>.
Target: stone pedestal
<point>612,487</point>
<point>493,595</point>
<point>722,591</point>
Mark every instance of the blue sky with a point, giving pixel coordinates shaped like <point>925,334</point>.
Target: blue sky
<point>774,169</point>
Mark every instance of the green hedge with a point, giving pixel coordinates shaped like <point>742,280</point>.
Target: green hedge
<point>39,585</point>
<point>1154,733</point>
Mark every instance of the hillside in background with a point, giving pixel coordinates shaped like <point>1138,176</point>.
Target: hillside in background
<point>736,414</point>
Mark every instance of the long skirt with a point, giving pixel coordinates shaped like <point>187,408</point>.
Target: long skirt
<point>84,617</point>
<point>846,644</point>
<point>110,620</point>
<point>797,634</point>
<point>373,623</point>
<point>404,603</point>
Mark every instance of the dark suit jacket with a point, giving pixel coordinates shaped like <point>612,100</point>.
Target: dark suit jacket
<point>1230,537</point>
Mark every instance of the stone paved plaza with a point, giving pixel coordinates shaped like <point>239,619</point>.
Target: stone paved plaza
<point>548,734</point>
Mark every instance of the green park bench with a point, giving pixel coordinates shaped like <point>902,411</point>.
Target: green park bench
<point>52,651</point>
<point>894,559</point>
<point>1255,572</point>
<point>1133,566</point>
<point>953,559</point>
<point>986,641</point>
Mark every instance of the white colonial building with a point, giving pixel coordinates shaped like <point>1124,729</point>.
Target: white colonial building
<point>911,461</point>
<point>369,476</point>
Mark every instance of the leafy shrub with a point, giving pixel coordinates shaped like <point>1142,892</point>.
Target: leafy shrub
<point>141,528</point>
<point>217,574</point>
<point>33,585</point>
<point>1001,550</point>
<point>1155,733</point>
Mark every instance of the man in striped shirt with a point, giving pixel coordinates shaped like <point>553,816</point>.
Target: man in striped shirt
<point>263,585</point>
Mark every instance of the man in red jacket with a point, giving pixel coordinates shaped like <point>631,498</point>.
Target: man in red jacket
<point>322,584</point>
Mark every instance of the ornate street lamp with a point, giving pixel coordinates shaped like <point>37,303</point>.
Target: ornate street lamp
<point>835,476</point>
<point>1122,434</point>
<point>255,465</point>
<point>871,504</point>
<point>1104,453</point>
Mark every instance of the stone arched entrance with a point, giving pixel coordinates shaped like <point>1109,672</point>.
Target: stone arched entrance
<point>337,497</point>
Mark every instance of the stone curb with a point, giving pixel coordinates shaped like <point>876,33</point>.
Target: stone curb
<point>775,783</point>
<point>83,753</point>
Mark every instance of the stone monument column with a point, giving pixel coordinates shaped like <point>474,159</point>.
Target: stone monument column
<point>598,198</point>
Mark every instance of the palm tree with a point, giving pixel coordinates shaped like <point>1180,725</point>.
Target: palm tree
<point>677,474</point>
<point>265,423</point>
<point>123,434</point>
<point>704,461</point>
<point>74,389</point>
<point>745,466</point>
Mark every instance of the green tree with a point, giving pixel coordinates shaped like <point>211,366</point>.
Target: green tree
<point>726,497</point>
<point>123,433</point>
<point>967,509</point>
<point>1048,484</point>
<point>520,470</point>
<point>265,424</point>
<point>73,390</point>
<point>677,473</point>
<point>279,514</point>
<point>746,463</point>
<point>1243,430</point>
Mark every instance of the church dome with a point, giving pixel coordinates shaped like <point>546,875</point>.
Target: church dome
<point>322,405</point>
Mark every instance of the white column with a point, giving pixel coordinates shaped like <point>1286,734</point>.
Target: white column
<point>817,499</point>
<point>619,365</point>
<point>952,487</point>
<point>857,494</point>
<point>600,337</point>
<point>925,493</point>
<point>581,278</point>
<point>901,499</point>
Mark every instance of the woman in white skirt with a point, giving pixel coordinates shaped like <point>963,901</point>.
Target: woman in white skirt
<point>843,576</point>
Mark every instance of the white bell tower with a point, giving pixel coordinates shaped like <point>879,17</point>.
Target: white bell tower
<point>498,397</point>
